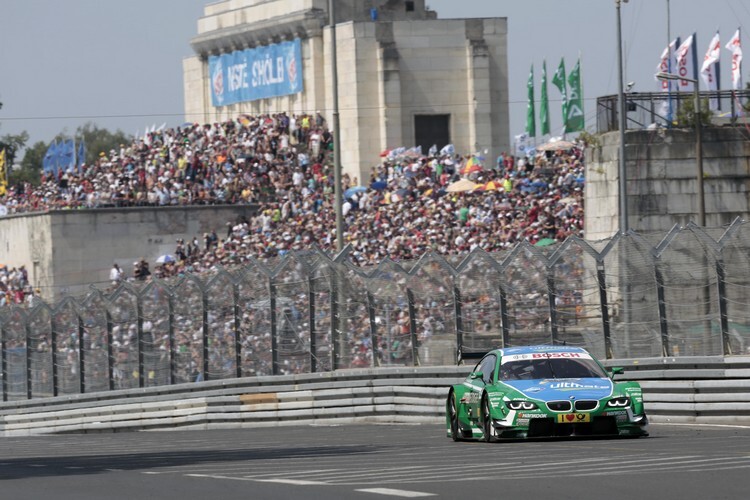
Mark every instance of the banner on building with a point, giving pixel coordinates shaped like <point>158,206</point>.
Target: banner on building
<point>710,69</point>
<point>575,121</point>
<point>559,81</point>
<point>685,59</point>
<point>247,75</point>
<point>665,65</point>
<point>735,47</point>
<point>3,174</point>
<point>544,107</point>
<point>530,113</point>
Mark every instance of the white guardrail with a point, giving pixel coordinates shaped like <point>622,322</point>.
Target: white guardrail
<point>680,390</point>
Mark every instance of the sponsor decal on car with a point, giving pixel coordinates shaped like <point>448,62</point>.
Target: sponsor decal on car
<point>470,398</point>
<point>574,418</point>
<point>575,386</point>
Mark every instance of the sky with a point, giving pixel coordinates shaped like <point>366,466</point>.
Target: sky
<point>118,64</point>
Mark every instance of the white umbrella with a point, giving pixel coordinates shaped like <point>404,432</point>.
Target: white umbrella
<point>461,185</point>
<point>165,259</point>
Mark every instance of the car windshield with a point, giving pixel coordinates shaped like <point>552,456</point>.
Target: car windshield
<point>529,369</point>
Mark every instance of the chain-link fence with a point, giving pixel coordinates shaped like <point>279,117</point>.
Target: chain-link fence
<point>685,293</point>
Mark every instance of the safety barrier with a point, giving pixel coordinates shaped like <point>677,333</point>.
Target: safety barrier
<point>679,390</point>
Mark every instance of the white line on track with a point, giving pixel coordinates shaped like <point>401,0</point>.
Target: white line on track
<point>397,493</point>
<point>298,482</point>
<point>726,426</point>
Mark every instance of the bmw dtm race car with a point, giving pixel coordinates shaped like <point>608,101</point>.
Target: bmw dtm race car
<point>543,391</point>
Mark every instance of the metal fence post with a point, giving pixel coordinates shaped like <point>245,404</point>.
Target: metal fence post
<point>237,329</point>
<point>274,340</point>
<point>665,347</point>
<point>110,349</point>
<point>205,330</point>
<point>723,316</point>
<point>552,296</point>
<point>311,321</point>
<point>459,321</point>
<point>81,354</point>
<point>141,348</point>
<point>170,334</point>
<point>53,346</point>
<point>413,327</point>
<point>4,348</point>
<point>373,330</point>
<point>334,324</point>
<point>603,304</point>
<point>27,328</point>
<point>504,317</point>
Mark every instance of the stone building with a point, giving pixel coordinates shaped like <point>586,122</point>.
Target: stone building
<point>405,77</point>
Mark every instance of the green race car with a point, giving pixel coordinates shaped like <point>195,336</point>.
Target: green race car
<point>543,391</point>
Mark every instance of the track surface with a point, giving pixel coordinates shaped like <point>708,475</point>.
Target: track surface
<point>375,462</point>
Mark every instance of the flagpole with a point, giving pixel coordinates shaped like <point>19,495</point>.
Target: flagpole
<point>623,191</point>
<point>580,83</point>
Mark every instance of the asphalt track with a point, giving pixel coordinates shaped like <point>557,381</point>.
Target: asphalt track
<point>374,462</point>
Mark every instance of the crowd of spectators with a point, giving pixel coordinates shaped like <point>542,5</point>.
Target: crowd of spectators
<point>281,165</point>
<point>15,287</point>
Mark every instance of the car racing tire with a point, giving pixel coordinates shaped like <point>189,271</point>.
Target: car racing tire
<point>453,416</point>
<point>488,431</point>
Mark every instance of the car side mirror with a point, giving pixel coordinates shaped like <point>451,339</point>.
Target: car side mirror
<point>617,370</point>
<point>476,375</point>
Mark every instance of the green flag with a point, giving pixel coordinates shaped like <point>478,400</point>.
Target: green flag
<point>530,114</point>
<point>544,108</point>
<point>575,118</point>
<point>559,81</point>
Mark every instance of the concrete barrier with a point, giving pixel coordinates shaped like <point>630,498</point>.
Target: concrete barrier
<point>701,390</point>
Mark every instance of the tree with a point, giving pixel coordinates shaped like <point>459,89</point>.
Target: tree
<point>686,113</point>
<point>100,140</point>
<point>12,144</point>
<point>31,165</point>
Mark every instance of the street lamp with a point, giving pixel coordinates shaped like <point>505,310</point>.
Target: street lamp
<point>698,142</point>
<point>623,188</point>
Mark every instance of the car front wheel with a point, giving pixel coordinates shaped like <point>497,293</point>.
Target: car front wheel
<point>488,431</point>
<point>453,417</point>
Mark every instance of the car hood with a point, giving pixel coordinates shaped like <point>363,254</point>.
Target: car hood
<point>563,388</point>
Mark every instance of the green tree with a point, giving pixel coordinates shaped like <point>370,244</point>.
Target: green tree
<point>12,144</point>
<point>100,140</point>
<point>686,113</point>
<point>31,165</point>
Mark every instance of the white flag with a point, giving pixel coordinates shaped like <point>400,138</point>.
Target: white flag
<point>709,69</point>
<point>664,65</point>
<point>735,47</point>
<point>685,64</point>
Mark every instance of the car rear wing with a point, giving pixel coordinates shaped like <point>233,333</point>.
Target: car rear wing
<point>464,355</point>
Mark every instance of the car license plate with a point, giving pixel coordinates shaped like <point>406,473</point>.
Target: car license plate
<point>574,418</point>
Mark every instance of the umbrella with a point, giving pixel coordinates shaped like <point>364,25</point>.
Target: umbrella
<point>490,186</point>
<point>545,242</point>
<point>461,185</point>
<point>165,259</point>
<point>378,185</point>
<point>556,146</point>
<point>354,190</point>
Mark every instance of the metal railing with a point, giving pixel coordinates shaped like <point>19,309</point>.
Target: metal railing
<point>634,295</point>
<point>645,109</point>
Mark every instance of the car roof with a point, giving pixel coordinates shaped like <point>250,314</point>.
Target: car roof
<point>510,351</point>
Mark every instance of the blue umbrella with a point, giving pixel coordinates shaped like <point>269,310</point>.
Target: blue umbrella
<point>379,185</point>
<point>354,190</point>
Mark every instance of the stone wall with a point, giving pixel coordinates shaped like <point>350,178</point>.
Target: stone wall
<point>662,180</point>
<point>402,65</point>
<point>65,251</point>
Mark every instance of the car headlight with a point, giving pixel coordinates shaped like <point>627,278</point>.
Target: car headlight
<point>521,405</point>
<point>620,402</point>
